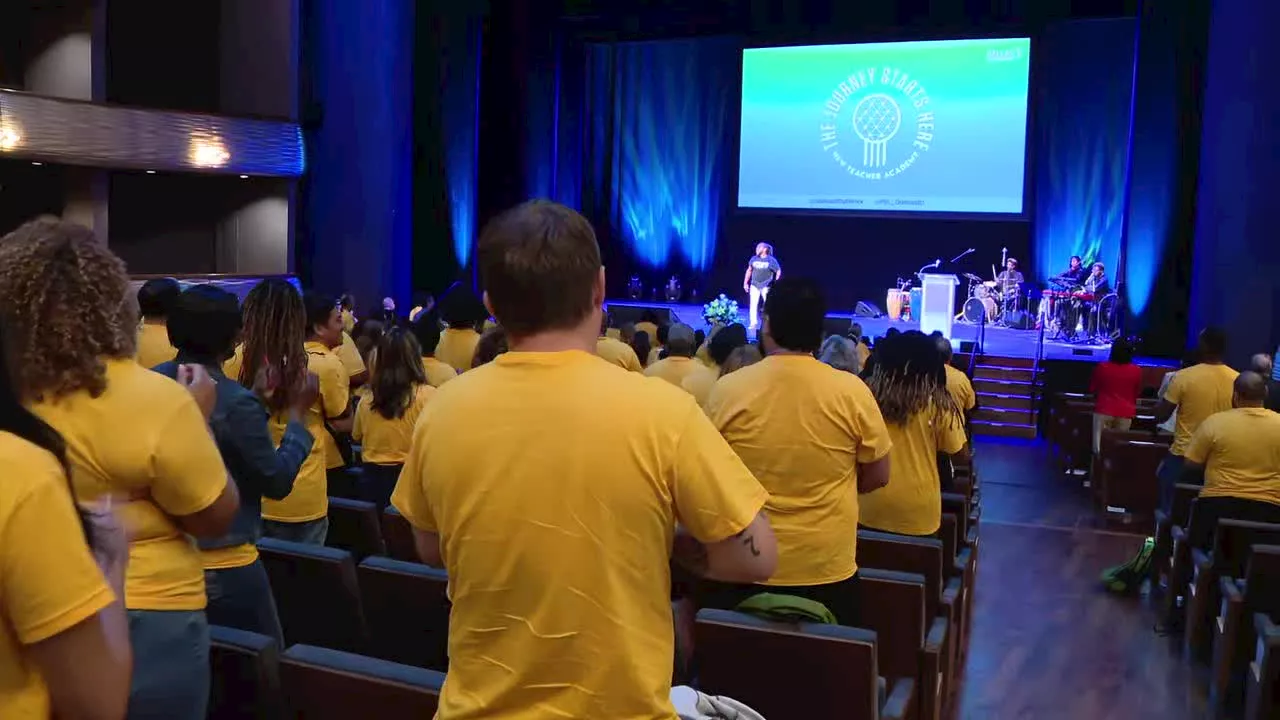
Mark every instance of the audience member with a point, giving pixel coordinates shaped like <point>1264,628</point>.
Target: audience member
<point>1188,359</point>
<point>540,470</point>
<point>464,318</point>
<point>1115,386</point>
<point>1262,364</point>
<point>649,323</point>
<point>366,335</point>
<point>679,362</point>
<point>840,353</point>
<point>640,345</point>
<point>347,304</point>
<point>626,332</point>
<point>957,382</point>
<point>722,343</point>
<point>1196,393</point>
<point>741,357</point>
<point>864,352</point>
<point>204,326</point>
<point>384,425</point>
<point>618,352</point>
<point>813,436</point>
<point>352,359</point>
<point>493,342</point>
<point>657,352</point>
<point>389,317</point>
<point>427,330</point>
<point>65,649</point>
<point>909,382</point>
<point>1238,452</point>
<point>422,303</point>
<point>128,431</point>
<point>156,299</point>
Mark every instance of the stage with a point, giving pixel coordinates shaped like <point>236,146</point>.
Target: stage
<point>999,341</point>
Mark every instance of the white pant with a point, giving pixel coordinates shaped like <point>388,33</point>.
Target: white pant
<point>758,295</point>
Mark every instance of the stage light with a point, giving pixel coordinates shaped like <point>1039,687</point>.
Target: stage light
<point>37,164</point>
<point>207,151</point>
<point>151,172</point>
<point>10,137</point>
<point>244,177</point>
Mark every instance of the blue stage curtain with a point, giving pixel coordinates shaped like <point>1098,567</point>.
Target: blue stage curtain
<point>1084,83</point>
<point>658,141</point>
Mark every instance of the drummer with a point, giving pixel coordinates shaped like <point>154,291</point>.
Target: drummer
<point>1010,283</point>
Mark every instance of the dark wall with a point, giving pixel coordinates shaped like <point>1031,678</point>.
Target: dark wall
<point>1237,255</point>
<point>27,191</point>
<point>163,54</point>
<point>166,223</point>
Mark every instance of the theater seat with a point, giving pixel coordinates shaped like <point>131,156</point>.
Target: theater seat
<point>354,527</point>
<point>317,594</point>
<point>245,675</point>
<point>796,671</point>
<point>1234,638</point>
<point>909,642</point>
<point>398,535</point>
<point>323,684</point>
<point>407,608</point>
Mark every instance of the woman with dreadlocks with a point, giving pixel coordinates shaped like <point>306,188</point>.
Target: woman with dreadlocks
<point>908,379</point>
<point>129,432</point>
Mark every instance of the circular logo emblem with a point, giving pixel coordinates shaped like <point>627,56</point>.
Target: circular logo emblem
<point>863,118</point>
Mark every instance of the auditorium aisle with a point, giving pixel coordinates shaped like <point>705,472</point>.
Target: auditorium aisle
<point>1047,642</point>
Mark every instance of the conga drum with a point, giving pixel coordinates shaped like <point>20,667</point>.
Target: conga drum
<point>893,304</point>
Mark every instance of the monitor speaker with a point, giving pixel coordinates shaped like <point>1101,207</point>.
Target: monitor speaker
<point>867,309</point>
<point>632,314</point>
<point>1019,320</point>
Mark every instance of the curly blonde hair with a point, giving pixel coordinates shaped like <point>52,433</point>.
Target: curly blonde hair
<point>65,300</point>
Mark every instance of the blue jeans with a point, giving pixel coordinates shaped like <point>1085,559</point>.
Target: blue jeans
<point>311,532</point>
<point>241,598</point>
<point>1167,475</point>
<point>170,664</point>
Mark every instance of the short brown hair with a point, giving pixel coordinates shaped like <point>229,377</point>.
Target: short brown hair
<point>539,262</point>
<point>65,297</point>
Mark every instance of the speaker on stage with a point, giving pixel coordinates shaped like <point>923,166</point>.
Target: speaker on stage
<point>867,309</point>
<point>1020,320</point>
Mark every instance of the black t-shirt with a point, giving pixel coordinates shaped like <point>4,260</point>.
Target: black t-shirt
<point>763,270</point>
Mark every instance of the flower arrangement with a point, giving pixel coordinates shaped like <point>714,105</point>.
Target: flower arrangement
<point>721,311</point>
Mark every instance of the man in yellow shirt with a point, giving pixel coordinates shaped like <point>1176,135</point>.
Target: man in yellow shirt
<point>464,318</point>
<point>909,383</point>
<point>719,348</point>
<point>679,362</point>
<point>815,439</point>
<point>1196,393</point>
<point>156,299</point>
<point>303,515</point>
<point>1238,452</point>
<point>427,330</point>
<point>570,507</point>
<point>957,382</point>
<point>617,352</point>
<point>864,352</point>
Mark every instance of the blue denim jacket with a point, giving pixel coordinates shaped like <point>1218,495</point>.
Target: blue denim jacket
<point>239,424</point>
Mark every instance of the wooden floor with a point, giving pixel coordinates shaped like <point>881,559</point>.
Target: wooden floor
<point>1047,641</point>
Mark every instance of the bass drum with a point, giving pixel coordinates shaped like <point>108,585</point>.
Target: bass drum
<point>976,307</point>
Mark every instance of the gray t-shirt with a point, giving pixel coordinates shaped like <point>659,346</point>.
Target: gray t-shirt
<point>763,270</point>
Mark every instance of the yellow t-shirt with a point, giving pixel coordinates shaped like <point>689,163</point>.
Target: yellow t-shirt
<point>1240,451</point>
<point>558,558</point>
<point>153,344</point>
<point>649,328</point>
<point>386,441</point>
<point>699,382</point>
<point>802,427</point>
<point>349,354</point>
<point>864,353</point>
<point>50,582</point>
<point>654,353</point>
<point>457,348</point>
<point>348,321</point>
<point>438,373</point>
<point>614,333</point>
<point>911,504</point>
<point>961,389</point>
<point>144,437</point>
<point>1199,391</point>
<point>618,353</point>
<point>310,497</point>
<point>673,369</point>
<point>703,355</point>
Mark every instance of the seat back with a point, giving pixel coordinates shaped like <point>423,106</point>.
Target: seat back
<point>1184,495</point>
<point>407,609</point>
<point>788,671</point>
<point>317,594</point>
<point>921,556</point>
<point>892,606</point>
<point>398,535</point>
<point>1262,591</point>
<point>245,675</point>
<point>354,527</point>
<point>1129,475</point>
<point>1232,540</point>
<point>958,505</point>
<point>948,534</point>
<point>323,684</point>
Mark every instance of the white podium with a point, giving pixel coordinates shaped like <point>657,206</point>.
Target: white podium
<point>939,301</point>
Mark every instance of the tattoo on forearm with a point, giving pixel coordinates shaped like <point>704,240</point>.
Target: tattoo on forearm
<point>749,541</point>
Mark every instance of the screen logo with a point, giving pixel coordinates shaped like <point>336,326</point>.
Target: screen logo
<point>876,123</point>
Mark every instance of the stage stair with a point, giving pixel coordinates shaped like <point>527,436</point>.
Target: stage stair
<point>1005,387</point>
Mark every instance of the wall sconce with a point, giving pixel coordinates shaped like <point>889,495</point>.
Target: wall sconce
<point>208,152</point>
<point>10,138</point>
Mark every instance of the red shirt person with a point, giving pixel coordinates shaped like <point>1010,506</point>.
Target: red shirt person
<point>1115,386</point>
